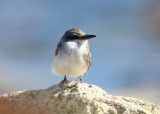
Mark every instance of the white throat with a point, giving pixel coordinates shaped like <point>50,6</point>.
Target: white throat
<point>80,43</point>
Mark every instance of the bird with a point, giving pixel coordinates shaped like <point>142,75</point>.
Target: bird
<point>72,55</point>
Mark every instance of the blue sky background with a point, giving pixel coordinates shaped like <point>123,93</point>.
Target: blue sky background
<point>125,53</point>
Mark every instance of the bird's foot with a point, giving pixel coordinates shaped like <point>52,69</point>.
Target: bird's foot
<point>64,80</point>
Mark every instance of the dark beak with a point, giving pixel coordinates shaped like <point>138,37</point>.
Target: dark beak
<point>86,37</point>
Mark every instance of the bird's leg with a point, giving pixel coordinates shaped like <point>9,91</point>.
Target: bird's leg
<point>80,79</point>
<point>64,80</point>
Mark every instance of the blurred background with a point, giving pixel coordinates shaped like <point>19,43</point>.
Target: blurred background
<point>125,53</point>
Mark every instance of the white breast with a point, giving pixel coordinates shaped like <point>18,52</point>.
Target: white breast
<point>71,59</point>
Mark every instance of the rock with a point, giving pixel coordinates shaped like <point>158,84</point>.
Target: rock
<point>72,98</point>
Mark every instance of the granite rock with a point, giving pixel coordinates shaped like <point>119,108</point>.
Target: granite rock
<point>72,98</point>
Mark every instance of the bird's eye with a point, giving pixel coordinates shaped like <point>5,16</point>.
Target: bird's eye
<point>75,36</point>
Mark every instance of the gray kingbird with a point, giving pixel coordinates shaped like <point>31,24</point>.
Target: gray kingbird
<point>72,55</point>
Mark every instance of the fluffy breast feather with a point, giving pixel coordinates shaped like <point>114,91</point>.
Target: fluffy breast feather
<point>72,58</point>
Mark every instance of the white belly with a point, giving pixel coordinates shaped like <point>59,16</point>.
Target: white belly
<point>71,61</point>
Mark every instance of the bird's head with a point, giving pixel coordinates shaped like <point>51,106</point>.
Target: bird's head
<point>76,34</point>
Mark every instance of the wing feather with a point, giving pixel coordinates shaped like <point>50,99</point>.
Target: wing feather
<point>57,49</point>
<point>89,60</point>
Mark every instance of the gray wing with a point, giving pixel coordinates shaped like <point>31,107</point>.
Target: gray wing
<point>57,49</point>
<point>88,58</point>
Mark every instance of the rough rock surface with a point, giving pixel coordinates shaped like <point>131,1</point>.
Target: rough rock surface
<point>72,98</point>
